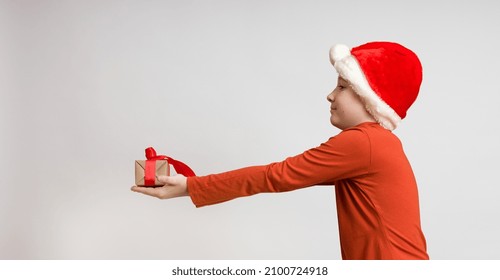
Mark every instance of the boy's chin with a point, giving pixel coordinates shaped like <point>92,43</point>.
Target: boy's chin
<point>334,123</point>
<point>338,125</point>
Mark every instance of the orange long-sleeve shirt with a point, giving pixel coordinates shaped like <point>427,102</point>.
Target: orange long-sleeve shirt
<point>376,192</point>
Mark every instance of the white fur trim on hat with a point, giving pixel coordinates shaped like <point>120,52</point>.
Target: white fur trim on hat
<point>348,68</point>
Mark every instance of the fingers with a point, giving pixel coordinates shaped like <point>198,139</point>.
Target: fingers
<point>166,180</point>
<point>176,180</point>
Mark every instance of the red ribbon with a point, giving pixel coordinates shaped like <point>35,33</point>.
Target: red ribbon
<point>150,168</point>
<point>150,172</point>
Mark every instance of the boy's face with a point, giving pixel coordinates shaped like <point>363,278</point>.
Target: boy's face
<point>346,109</point>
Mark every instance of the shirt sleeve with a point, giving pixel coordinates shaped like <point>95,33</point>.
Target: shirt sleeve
<point>346,155</point>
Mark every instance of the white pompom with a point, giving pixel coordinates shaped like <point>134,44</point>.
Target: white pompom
<point>338,52</point>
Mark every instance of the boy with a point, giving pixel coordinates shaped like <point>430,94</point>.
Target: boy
<point>376,191</point>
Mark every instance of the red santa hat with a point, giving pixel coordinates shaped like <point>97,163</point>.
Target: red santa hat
<point>386,75</point>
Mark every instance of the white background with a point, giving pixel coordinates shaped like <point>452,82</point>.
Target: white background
<point>86,86</point>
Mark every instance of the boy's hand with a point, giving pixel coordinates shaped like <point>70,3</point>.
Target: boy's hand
<point>174,186</point>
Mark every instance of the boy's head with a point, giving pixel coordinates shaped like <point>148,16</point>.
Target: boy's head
<point>386,76</point>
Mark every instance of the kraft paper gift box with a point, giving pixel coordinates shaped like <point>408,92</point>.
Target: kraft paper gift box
<point>147,172</point>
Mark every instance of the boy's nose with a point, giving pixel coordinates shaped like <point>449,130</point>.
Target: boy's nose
<point>330,97</point>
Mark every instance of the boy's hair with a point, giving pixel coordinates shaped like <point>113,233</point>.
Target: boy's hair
<point>386,75</point>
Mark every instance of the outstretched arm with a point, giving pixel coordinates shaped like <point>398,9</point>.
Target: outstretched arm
<point>346,155</point>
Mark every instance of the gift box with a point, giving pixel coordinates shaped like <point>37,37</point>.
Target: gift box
<point>147,171</point>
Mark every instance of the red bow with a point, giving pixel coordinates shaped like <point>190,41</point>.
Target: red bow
<point>180,167</point>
